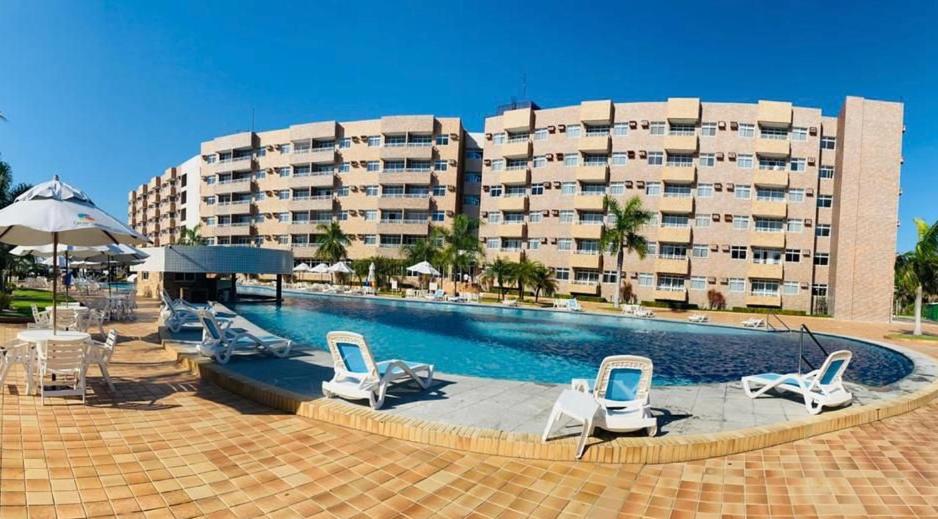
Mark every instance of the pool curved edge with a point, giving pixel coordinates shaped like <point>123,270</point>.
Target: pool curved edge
<point>641,450</point>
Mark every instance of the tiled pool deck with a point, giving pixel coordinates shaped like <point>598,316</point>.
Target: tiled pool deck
<point>170,445</point>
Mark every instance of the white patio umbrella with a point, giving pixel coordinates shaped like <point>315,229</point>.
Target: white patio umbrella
<point>55,212</point>
<point>320,269</point>
<point>121,253</point>
<point>425,268</point>
<point>302,267</point>
<point>370,280</point>
<point>340,268</point>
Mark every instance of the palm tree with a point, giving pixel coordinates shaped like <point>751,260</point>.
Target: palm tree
<point>461,248</point>
<point>361,267</point>
<point>919,266</point>
<point>498,271</point>
<point>523,273</point>
<point>543,281</point>
<point>621,235</point>
<point>8,193</point>
<point>423,249</point>
<point>333,242</point>
<point>191,236</point>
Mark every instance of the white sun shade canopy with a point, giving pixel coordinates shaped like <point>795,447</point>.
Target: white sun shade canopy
<point>56,208</point>
<point>424,268</point>
<point>322,268</point>
<point>302,267</point>
<point>340,268</point>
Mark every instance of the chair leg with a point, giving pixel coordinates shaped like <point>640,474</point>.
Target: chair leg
<point>587,431</point>
<point>107,376</point>
<point>554,416</point>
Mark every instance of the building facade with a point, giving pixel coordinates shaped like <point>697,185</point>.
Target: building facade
<point>386,181</point>
<point>160,208</point>
<point>768,204</point>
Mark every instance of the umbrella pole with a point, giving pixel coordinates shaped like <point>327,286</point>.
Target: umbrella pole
<point>109,275</point>
<point>55,277</point>
<point>66,271</point>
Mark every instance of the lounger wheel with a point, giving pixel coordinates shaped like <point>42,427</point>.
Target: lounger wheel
<point>173,326</point>
<point>328,394</point>
<point>652,431</point>
<point>281,353</point>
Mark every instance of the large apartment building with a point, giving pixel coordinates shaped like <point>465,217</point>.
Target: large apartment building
<point>164,205</point>
<point>769,204</point>
<point>386,181</point>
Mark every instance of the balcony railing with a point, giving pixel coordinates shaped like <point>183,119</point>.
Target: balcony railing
<point>405,195</point>
<point>587,252</point>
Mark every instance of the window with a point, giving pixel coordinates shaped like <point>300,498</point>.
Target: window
<point>517,164</point>
<point>677,191</point>
<point>704,190</point>
<point>737,285</point>
<point>442,139</point>
<point>342,191</point>
<point>795,225</point>
<point>373,166</point>
<point>769,225</point>
<point>741,223</point>
<point>597,130</point>
<point>744,161</point>
<point>371,190</point>
<point>374,140</point>
<point>470,200</point>
<point>492,243</point>
<point>771,164</point>
<point>796,195</point>
<point>657,128</point>
<point>285,148</point>
<point>564,244</point>
<point>790,288</point>
<point>746,130</point>
<point>743,192</point>
<point>537,189</point>
<point>825,200</point>
<point>766,256</point>
<point>499,138</point>
<point>473,178</point>
<point>345,143</point>
<point>738,252</point>
<point>536,217</point>
<point>498,164</point>
<point>778,134</point>
<point>708,129</point>
<point>698,283</point>
<point>440,190</point>
<point>655,158</point>
<point>822,259</point>
<point>620,129</point>
<point>798,165</point>
<point>680,129</point>
<point>828,143</point>
<point>620,159</point>
<point>283,194</point>
<point>680,160</point>
<point>494,217</point>
<point>283,172</point>
<point>371,215</point>
<point>674,220</point>
<point>574,130</point>
<point>792,256</point>
<point>645,279</point>
<point>562,274</point>
<point>566,216</point>
<point>540,134</point>
<point>653,189</point>
<point>652,248</point>
<point>701,251</point>
<point>822,230</point>
<point>568,188</point>
<point>571,159</point>
<point>826,172</point>
<point>591,218</point>
<point>761,287</point>
<point>819,290</point>
<point>540,161</point>
<point>670,283</point>
<point>770,194</point>
<point>799,133</point>
<point>708,160</point>
<point>617,188</point>
<point>702,220</point>
<point>609,276</point>
<point>474,154</point>
<point>440,165</point>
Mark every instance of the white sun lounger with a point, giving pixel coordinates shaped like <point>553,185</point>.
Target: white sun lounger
<point>754,323</point>
<point>820,388</point>
<point>574,306</point>
<point>221,341</point>
<point>621,390</point>
<point>643,313</point>
<point>698,318</point>
<point>178,312</point>
<point>359,377</point>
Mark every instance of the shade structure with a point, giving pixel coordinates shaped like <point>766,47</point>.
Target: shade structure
<point>340,268</point>
<point>302,267</point>
<point>321,268</point>
<point>425,268</point>
<point>55,212</point>
<point>370,280</point>
<point>45,251</point>
<point>119,253</point>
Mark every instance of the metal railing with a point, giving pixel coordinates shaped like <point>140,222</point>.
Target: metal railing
<point>801,358</point>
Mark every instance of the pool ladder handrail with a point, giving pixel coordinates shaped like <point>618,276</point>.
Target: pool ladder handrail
<point>802,359</point>
<point>770,326</point>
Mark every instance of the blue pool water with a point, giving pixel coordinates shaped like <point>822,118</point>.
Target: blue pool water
<point>515,344</point>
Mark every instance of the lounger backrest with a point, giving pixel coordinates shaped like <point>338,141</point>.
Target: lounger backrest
<point>210,327</point>
<point>832,371</point>
<point>623,378</point>
<point>350,353</point>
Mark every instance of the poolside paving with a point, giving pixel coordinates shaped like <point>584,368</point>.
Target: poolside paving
<point>169,445</point>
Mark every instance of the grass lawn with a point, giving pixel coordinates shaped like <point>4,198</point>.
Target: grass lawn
<point>909,337</point>
<point>23,298</point>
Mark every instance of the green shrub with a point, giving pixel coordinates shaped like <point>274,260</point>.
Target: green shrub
<point>673,305</point>
<point>5,299</point>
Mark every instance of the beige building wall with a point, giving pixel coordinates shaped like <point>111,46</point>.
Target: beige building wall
<point>743,195</point>
<point>161,207</point>
<point>386,181</point>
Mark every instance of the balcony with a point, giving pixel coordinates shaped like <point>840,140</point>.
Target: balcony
<point>596,112</point>
<point>405,177</point>
<point>406,152</point>
<point>511,230</point>
<point>676,205</point>
<point>588,260</point>
<point>583,287</point>
<point>516,150</point>
<point>679,295</point>
<point>316,155</point>
<point>505,254</point>
<point>520,120</point>
<point>763,300</point>
<point>593,173</point>
<point>318,203</point>
<point>587,231</point>
<point>683,109</point>
<point>770,208</point>
<point>588,202</point>
<point>679,174</point>
<point>674,234</point>
<point>676,265</point>
<point>765,271</point>
<point>319,180</point>
<point>680,143</point>
<point>232,229</point>
<point>774,113</point>
<point>395,201</point>
<point>768,240</point>
<point>771,178</point>
<point>594,143</point>
<point>418,227</point>
<point>513,203</point>
<point>515,176</point>
<point>773,147</point>
<point>244,163</point>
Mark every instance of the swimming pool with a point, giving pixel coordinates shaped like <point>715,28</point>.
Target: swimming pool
<point>530,345</point>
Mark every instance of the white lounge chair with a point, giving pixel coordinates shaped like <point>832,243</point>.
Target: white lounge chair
<point>621,390</point>
<point>178,312</point>
<point>630,309</point>
<point>221,341</point>
<point>561,304</point>
<point>754,323</point>
<point>436,295</point>
<point>698,318</point>
<point>359,377</point>
<point>509,302</point>
<point>643,313</point>
<point>574,306</point>
<point>820,388</point>
<point>99,354</point>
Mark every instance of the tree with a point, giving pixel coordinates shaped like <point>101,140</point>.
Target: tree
<point>422,250</point>
<point>620,235</point>
<point>715,299</point>
<point>8,193</point>
<point>543,281</point>
<point>499,271</point>
<point>523,273</point>
<point>361,267</point>
<point>461,248</point>
<point>919,267</point>
<point>333,242</point>
<point>191,236</point>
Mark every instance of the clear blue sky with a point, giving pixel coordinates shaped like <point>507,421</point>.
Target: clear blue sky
<point>108,94</point>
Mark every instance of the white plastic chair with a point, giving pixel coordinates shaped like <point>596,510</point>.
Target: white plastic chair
<point>99,353</point>
<point>15,353</point>
<point>64,360</point>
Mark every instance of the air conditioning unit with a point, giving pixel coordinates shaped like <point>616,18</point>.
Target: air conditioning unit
<point>633,124</point>
<point>640,184</point>
<point>452,162</point>
<point>557,183</point>
<point>454,136</point>
<point>718,186</point>
<point>487,162</point>
<point>811,161</point>
<point>485,188</point>
<point>551,129</point>
<point>812,130</point>
<point>711,280</point>
<point>451,188</point>
<point>809,191</point>
<point>716,218</point>
<point>544,240</point>
<point>727,217</point>
<point>488,136</point>
<point>561,128</point>
<point>806,252</point>
<point>628,184</point>
<point>724,281</point>
<point>734,125</point>
<point>549,156</point>
<point>269,147</point>
<point>450,213</point>
<point>555,212</point>
<point>553,241</point>
<point>726,248</point>
<point>714,247</point>
<point>645,124</point>
<point>642,154</point>
<point>808,222</point>
<point>546,212</point>
<point>631,154</point>
<point>719,155</point>
<point>730,186</point>
<point>732,155</point>
<point>355,138</point>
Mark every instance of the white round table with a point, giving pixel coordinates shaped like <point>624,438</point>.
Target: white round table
<point>37,337</point>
